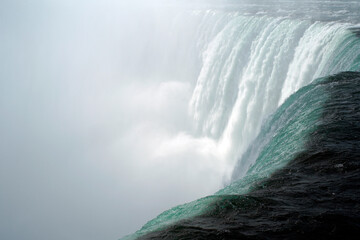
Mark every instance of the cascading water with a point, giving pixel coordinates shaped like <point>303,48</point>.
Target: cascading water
<point>253,64</point>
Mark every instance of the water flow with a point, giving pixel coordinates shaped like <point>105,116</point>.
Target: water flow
<point>252,65</point>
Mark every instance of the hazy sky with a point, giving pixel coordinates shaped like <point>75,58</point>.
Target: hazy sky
<point>94,133</point>
<point>96,137</point>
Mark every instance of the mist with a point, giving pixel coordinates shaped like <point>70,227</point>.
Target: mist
<point>95,134</point>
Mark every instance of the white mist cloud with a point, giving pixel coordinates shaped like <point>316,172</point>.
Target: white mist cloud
<point>94,133</point>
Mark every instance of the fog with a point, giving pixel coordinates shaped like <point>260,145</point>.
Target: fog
<point>95,135</point>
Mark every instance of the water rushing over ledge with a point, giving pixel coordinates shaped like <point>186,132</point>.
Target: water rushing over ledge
<point>314,195</point>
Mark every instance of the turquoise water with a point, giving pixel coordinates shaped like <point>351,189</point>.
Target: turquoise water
<point>314,194</point>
